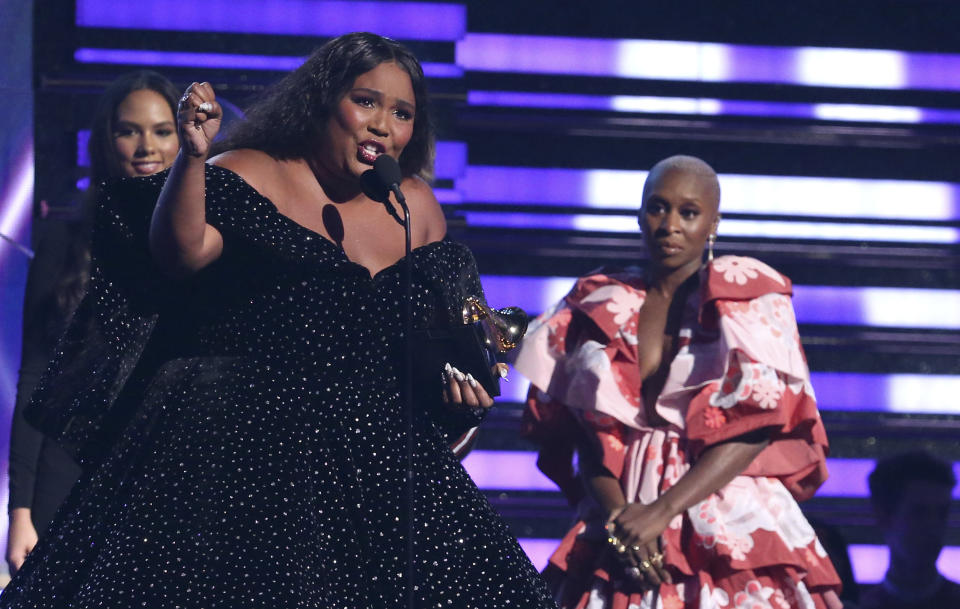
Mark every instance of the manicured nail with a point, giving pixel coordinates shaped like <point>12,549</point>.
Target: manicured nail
<point>459,375</point>
<point>471,380</point>
<point>448,368</point>
<point>503,373</point>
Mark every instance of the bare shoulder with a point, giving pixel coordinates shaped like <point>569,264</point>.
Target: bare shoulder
<point>257,168</point>
<point>423,205</point>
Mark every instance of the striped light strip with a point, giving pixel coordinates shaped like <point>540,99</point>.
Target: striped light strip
<point>762,229</point>
<point>869,562</point>
<point>228,61</point>
<point>802,196</point>
<point>714,107</point>
<point>866,306</point>
<point>404,20</point>
<point>516,470</point>
<point>850,391</point>
<point>709,62</point>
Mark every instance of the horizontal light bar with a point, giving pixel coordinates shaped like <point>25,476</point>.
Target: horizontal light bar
<point>869,562</point>
<point>516,470</point>
<point>709,62</point>
<point>904,393</point>
<point>833,305</point>
<point>850,391</point>
<point>404,20</point>
<point>229,61</point>
<point>763,229</point>
<point>451,159</point>
<point>776,195</point>
<point>699,106</point>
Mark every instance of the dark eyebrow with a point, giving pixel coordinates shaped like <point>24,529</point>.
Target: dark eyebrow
<point>133,124</point>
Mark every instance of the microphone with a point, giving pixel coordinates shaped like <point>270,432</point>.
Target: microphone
<point>388,172</point>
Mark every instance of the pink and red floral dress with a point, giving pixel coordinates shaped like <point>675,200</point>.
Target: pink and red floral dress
<point>739,368</point>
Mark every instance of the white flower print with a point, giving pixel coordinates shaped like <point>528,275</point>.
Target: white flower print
<point>621,302</point>
<point>713,600</point>
<point>738,269</point>
<point>754,596</point>
<point>768,389</point>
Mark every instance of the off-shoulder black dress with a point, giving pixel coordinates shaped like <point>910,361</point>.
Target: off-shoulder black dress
<point>260,462</point>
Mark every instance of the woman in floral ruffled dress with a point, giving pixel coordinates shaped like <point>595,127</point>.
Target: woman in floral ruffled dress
<point>685,392</point>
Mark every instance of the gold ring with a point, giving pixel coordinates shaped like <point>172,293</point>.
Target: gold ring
<point>621,548</point>
<point>645,565</point>
<point>613,541</point>
<point>657,558</point>
<point>635,548</point>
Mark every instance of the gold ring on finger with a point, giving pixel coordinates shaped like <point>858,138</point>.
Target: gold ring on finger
<point>621,548</point>
<point>613,541</point>
<point>635,548</point>
<point>657,559</point>
<point>645,565</point>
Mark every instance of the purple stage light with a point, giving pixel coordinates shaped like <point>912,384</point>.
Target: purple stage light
<point>451,160</point>
<point>847,198</point>
<point>83,150</point>
<point>709,62</point>
<point>837,305</point>
<point>17,199</point>
<point>869,562</point>
<point>403,20</point>
<point>763,229</point>
<point>714,107</point>
<point>229,61</point>
<point>513,470</point>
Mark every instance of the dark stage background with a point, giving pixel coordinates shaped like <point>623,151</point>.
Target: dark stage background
<point>835,127</point>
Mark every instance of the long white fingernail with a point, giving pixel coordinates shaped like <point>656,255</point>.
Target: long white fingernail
<point>459,375</point>
<point>448,368</point>
<point>471,380</point>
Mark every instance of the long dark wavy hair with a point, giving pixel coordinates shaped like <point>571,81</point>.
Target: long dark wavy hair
<point>104,160</point>
<point>104,165</point>
<point>290,117</point>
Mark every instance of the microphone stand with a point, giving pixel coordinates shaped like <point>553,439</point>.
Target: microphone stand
<point>407,391</point>
<point>23,249</point>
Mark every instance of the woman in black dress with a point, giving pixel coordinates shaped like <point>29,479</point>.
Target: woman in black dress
<point>133,133</point>
<point>263,465</point>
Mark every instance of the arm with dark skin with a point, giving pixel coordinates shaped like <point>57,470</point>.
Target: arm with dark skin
<point>638,526</point>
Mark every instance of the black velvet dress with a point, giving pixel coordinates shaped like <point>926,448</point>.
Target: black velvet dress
<point>259,462</point>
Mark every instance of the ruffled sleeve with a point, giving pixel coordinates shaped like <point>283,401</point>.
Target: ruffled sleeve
<point>764,382</point>
<point>580,356</point>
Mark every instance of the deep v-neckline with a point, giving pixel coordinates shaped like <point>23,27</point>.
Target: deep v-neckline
<point>317,236</point>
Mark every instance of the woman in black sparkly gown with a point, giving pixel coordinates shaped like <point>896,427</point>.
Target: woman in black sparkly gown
<point>263,461</point>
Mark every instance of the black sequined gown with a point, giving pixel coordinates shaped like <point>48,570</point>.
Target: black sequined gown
<point>262,465</point>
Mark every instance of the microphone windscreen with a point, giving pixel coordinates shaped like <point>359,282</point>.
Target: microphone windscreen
<point>388,170</point>
<point>374,187</point>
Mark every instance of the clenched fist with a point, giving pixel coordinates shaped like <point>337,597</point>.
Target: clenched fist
<point>198,119</point>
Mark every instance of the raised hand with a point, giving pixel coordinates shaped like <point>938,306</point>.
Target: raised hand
<point>198,119</point>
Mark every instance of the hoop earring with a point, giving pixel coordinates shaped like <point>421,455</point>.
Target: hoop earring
<point>710,241</point>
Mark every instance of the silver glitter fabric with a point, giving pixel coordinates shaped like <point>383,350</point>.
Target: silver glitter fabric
<point>262,461</point>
